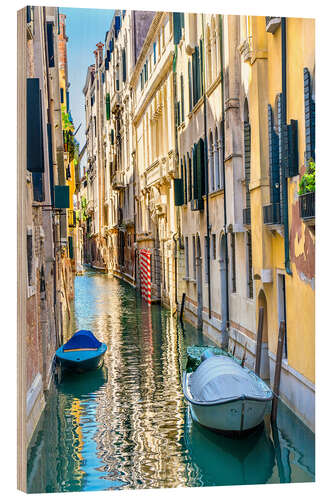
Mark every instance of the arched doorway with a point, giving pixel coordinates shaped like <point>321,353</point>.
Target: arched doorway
<point>199,282</point>
<point>223,287</point>
<point>264,365</point>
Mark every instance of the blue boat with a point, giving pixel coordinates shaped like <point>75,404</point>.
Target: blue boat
<point>81,353</point>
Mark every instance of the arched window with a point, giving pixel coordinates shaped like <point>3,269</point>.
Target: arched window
<point>216,161</point>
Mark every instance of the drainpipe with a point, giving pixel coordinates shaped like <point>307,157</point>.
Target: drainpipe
<point>206,169</point>
<point>174,73</point>
<point>223,169</point>
<point>284,145</point>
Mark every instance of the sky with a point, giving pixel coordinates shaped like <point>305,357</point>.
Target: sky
<point>84,28</point>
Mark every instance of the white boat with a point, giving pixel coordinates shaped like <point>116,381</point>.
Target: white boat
<point>224,396</point>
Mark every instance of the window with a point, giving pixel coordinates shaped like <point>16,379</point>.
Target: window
<point>50,44</point>
<point>206,258</point>
<point>214,246</point>
<point>189,176</point>
<point>249,265</point>
<point>187,270</point>
<point>185,181</point>
<point>194,263</point>
<point>61,95</point>
<point>233,262</point>
<point>29,257</point>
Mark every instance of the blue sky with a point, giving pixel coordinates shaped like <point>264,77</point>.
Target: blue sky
<point>84,28</point>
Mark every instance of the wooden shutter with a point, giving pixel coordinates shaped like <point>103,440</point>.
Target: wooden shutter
<point>112,136</point>
<point>182,98</point>
<point>309,110</point>
<point>247,160</point>
<point>194,79</point>
<point>293,148</point>
<point>190,85</point>
<point>35,152</point>
<point>50,44</point>
<point>185,181</point>
<point>177,29</point>
<point>179,192</point>
<point>274,167</point>
<point>195,172</point>
<point>107,103</point>
<point>200,69</point>
<point>197,74</point>
<point>70,247</point>
<point>50,150</point>
<point>189,163</point>
<point>201,168</point>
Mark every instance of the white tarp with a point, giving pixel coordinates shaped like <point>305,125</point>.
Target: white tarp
<point>220,377</point>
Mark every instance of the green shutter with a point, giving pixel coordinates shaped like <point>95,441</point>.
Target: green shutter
<point>35,153</point>
<point>182,98</point>
<point>200,64</point>
<point>107,102</point>
<point>247,160</point>
<point>185,181</point>
<point>61,196</point>
<point>177,28</point>
<point>70,247</point>
<point>293,148</point>
<point>179,192</point>
<point>50,150</point>
<point>194,79</point>
<point>189,163</point>
<point>195,172</point>
<point>274,167</point>
<point>124,65</point>
<point>38,186</point>
<point>112,136</point>
<point>309,110</point>
<point>201,169</point>
<point>190,85</point>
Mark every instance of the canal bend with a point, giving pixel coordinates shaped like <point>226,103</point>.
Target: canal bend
<point>127,425</point>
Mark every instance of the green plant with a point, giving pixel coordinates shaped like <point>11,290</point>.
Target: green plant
<point>307,184</point>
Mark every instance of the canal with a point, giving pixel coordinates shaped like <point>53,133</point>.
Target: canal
<point>127,425</point>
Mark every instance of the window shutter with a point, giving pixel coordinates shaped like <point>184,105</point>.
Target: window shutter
<point>182,97</point>
<point>70,247</point>
<point>50,44</point>
<point>61,95</point>
<point>293,148</point>
<point>201,168</point>
<point>112,136</point>
<point>194,79</point>
<point>67,101</point>
<point>189,163</point>
<point>179,192</point>
<point>190,85</point>
<point>195,172</point>
<point>200,64</point>
<point>61,196</point>
<point>247,160</point>
<point>35,152</point>
<point>50,149</point>
<point>38,186</point>
<point>124,65</point>
<point>185,181</point>
<point>274,168</point>
<point>107,102</point>
<point>177,29</point>
<point>309,109</point>
<point>154,48</point>
<point>197,74</point>
<point>111,45</point>
<point>117,26</point>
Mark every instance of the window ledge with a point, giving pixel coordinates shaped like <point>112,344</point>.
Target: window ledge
<point>217,192</point>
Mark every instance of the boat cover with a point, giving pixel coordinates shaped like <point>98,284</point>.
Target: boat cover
<point>83,339</point>
<point>220,377</point>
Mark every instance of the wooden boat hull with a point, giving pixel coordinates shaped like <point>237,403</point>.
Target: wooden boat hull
<point>81,361</point>
<point>238,415</point>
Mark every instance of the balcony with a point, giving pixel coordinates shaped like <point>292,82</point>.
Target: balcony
<point>117,181</point>
<point>247,216</point>
<point>272,214</point>
<point>272,24</point>
<point>307,208</point>
<point>197,204</point>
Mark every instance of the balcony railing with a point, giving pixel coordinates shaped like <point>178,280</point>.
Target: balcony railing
<point>272,214</point>
<point>247,216</point>
<point>307,206</point>
<point>118,180</point>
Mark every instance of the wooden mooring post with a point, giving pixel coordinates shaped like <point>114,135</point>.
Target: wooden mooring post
<point>277,375</point>
<point>259,341</point>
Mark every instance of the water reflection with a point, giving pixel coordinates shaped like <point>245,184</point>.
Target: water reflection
<point>127,425</point>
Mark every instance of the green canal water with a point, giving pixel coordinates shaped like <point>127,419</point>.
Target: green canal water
<point>127,425</point>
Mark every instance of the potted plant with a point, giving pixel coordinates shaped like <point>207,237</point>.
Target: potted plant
<point>307,188</point>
